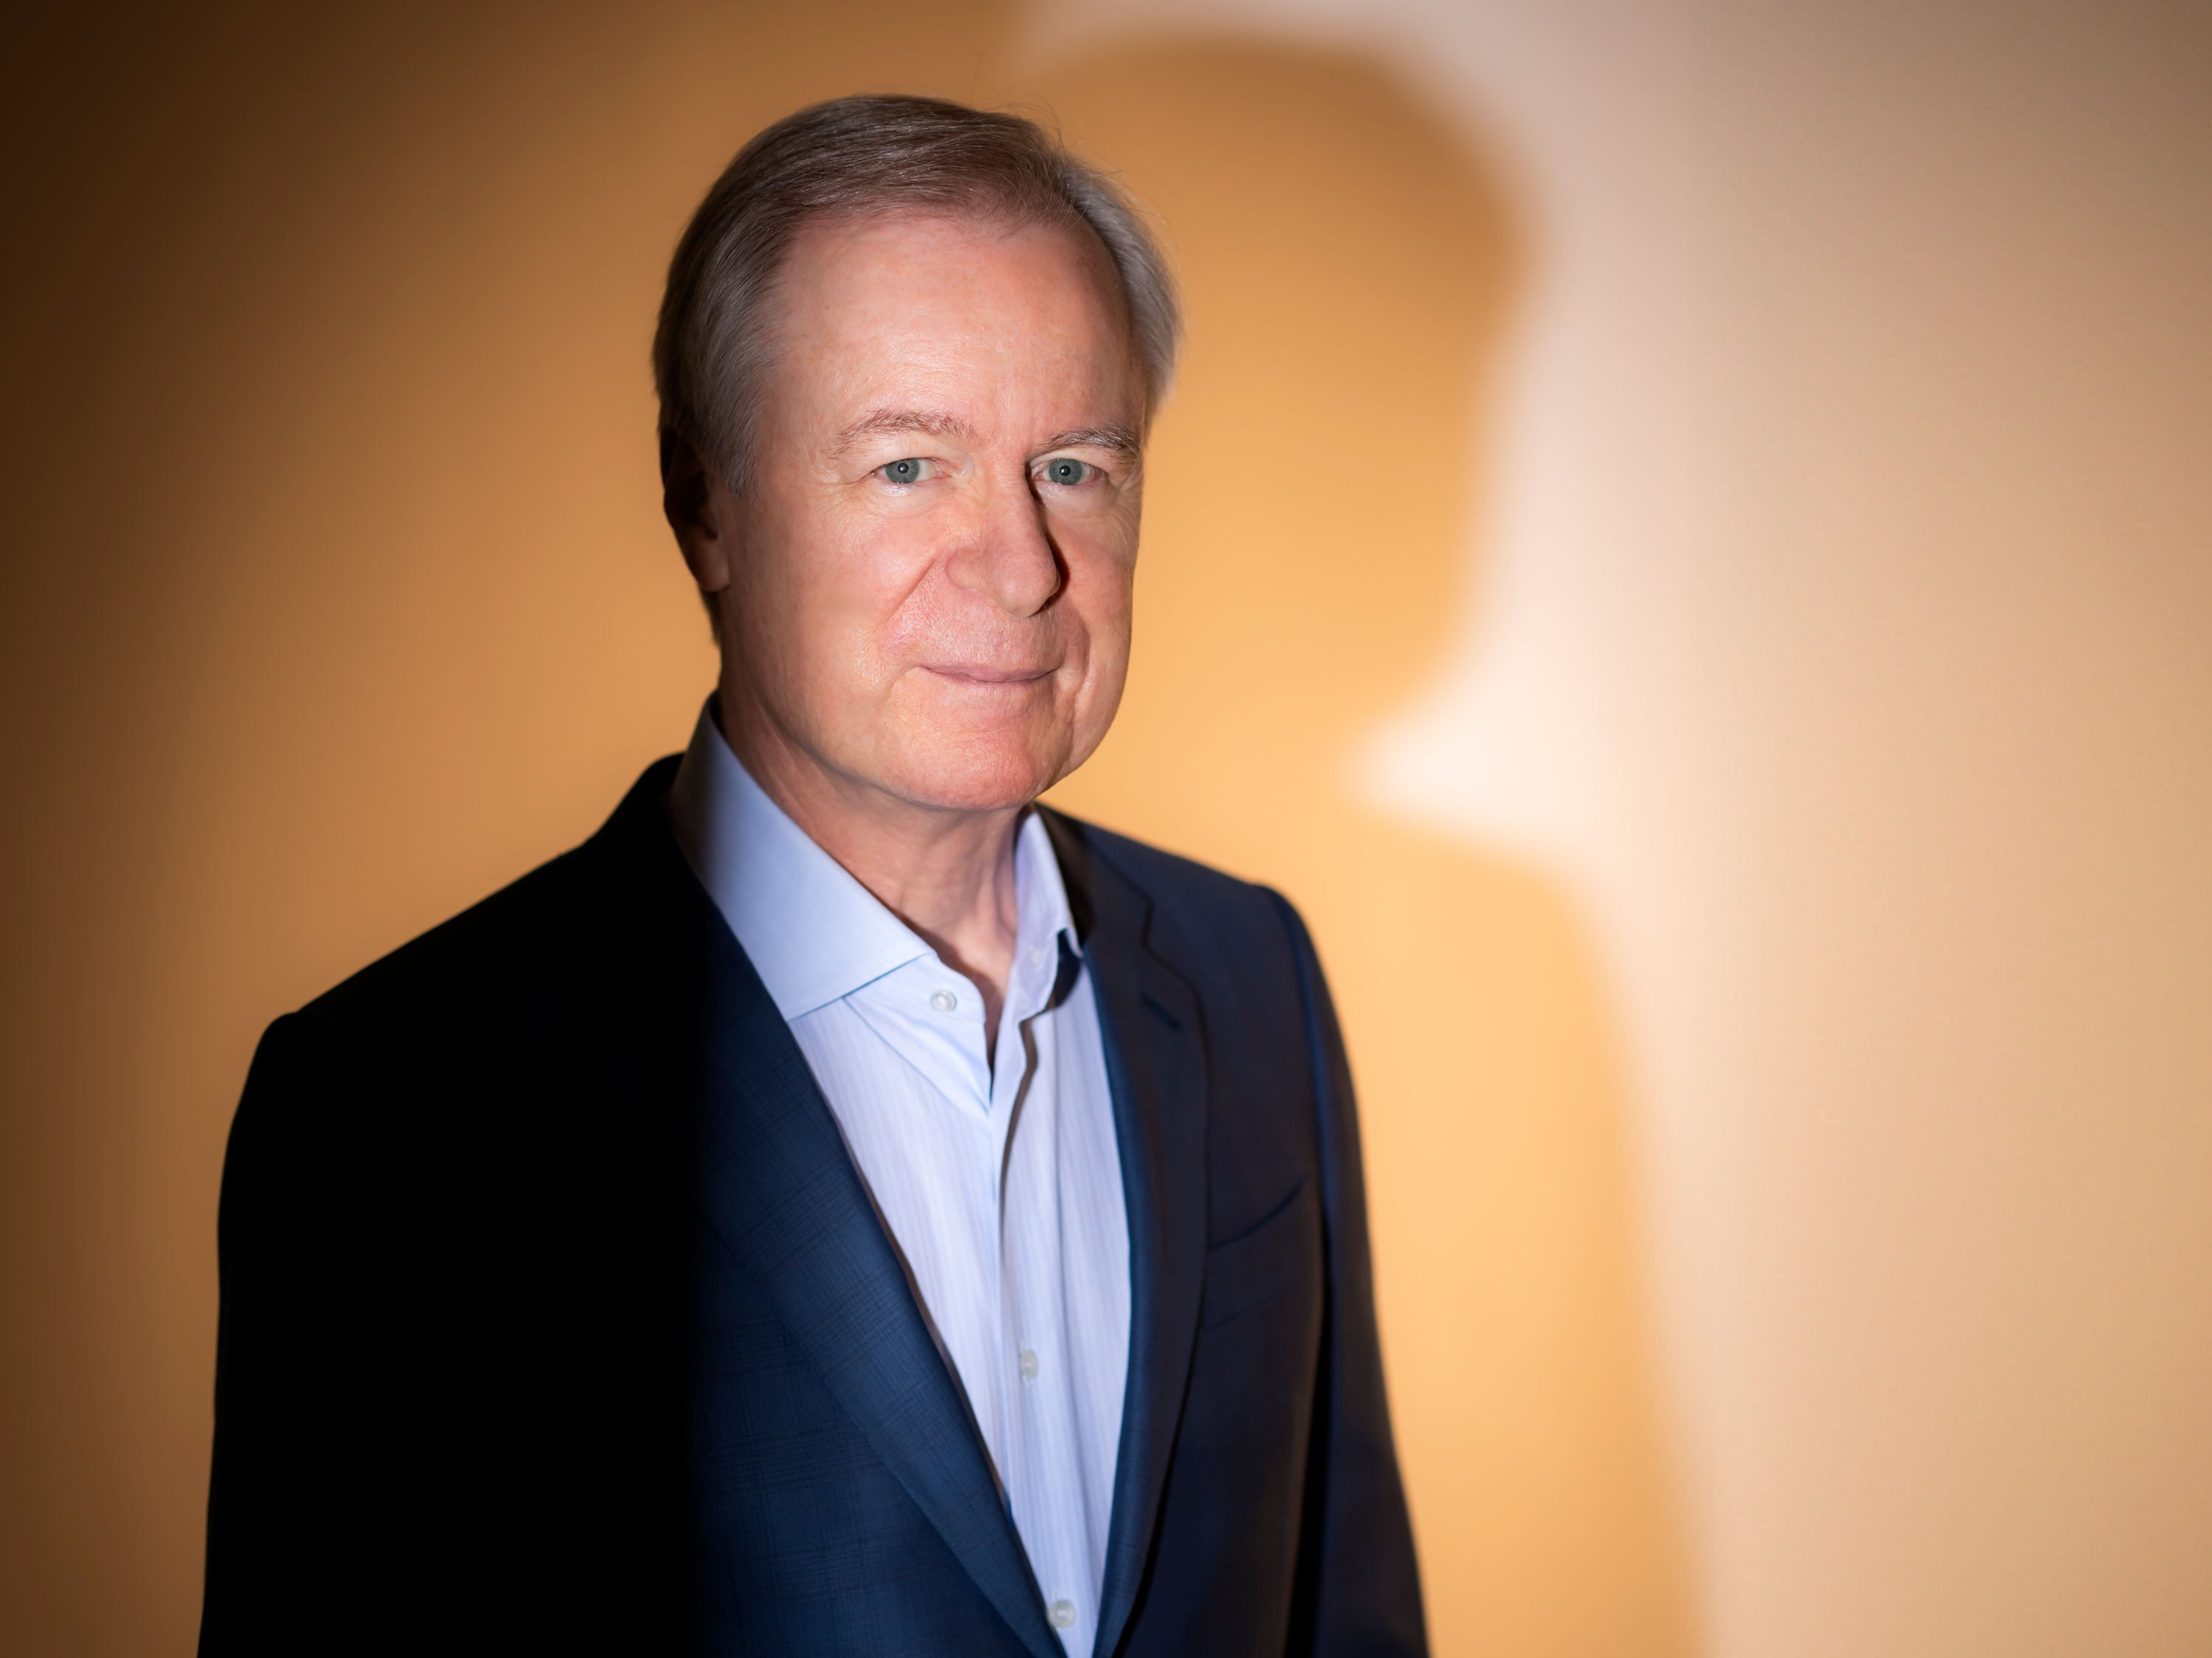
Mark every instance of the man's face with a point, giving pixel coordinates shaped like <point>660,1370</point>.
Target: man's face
<point>929,580</point>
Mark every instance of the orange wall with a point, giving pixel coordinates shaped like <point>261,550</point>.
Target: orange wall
<point>1684,542</point>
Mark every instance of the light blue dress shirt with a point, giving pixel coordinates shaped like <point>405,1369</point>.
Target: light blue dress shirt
<point>997,1174</point>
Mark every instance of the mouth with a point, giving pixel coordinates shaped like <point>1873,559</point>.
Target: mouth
<point>974,674</point>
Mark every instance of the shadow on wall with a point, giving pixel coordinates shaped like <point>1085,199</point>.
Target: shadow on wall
<point>1350,268</point>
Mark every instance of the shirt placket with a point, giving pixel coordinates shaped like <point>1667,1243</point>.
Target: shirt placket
<point>1018,1468</point>
<point>1040,1385</point>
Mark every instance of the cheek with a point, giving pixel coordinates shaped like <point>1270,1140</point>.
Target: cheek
<point>830,606</point>
<point>870,577</point>
<point>1101,572</point>
<point>1097,612</point>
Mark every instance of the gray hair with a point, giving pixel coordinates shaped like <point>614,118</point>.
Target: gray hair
<point>867,155</point>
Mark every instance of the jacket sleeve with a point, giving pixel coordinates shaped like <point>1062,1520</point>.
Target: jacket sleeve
<point>1359,1590</point>
<point>293,1443</point>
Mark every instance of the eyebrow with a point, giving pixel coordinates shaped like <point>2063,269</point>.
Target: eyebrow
<point>929,422</point>
<point>1120,440</point>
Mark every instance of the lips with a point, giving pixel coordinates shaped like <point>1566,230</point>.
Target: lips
<point>979,675</point>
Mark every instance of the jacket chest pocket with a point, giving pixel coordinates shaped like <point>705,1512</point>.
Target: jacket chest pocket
<point>1278,1255</point>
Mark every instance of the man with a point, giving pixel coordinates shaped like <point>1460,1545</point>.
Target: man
<point>841,1206</point>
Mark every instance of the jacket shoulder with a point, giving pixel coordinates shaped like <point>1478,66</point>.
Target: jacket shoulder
<point>1215,924</point>
<point>1164,875</point>
<point>489,952</point>
<point>522,942</point>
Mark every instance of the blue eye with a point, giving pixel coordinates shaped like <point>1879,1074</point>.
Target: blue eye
<point>904,471</point>
<point>1066,472</point>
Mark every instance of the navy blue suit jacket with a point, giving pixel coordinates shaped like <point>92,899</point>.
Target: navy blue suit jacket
<point>556,1316</point>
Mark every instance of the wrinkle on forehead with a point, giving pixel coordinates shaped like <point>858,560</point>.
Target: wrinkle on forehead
<point>895,317</point>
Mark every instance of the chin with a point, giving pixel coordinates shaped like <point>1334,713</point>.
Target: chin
<point>975,774</point>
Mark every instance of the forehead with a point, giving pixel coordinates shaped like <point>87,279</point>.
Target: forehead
<point>979,307</point>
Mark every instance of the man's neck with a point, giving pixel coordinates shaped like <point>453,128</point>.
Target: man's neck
<point>947,874</point>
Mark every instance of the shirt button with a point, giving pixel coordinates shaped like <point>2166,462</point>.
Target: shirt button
<point>1063,1614</point>
<point>1029,1374</point>
<point>943,1000</point>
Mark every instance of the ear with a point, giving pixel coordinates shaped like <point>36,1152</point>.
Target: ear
<point>696,502</point>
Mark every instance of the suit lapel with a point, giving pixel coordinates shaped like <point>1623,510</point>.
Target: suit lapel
<point>1156,1069</point>
<point>779,1190</point>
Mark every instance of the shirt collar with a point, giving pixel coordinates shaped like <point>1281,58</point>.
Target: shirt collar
<point>814,933</point>
<point>1044,926</point>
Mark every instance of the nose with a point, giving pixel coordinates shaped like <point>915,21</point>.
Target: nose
<point>1008,556</point>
